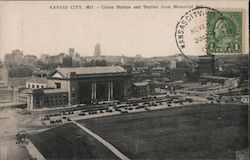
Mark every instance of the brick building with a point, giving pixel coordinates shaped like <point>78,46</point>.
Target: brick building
<point>40,98</point>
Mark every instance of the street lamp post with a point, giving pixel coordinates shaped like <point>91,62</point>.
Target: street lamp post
<point>219,98</point>
<point>219,109</point>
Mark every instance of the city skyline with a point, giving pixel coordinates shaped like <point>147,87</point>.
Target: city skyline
<point>67,52</point>
<point>36,29</point>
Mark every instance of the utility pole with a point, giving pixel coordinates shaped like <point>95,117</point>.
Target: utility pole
<point>22,37</point>
<point>219,109</point>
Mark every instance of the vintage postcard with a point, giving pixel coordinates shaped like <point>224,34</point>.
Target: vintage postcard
<point>129,79</point>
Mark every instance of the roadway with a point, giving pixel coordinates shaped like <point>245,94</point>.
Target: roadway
<point>9,127</point>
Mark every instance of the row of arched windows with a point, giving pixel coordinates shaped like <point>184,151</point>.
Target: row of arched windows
<point>36,86</point>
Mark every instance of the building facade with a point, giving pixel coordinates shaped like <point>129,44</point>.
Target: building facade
<point>13,59</point>
<point>36,82</point>
<point>40,98</point>
<point>30,60</point>
<point>206,65</point>
<point>177,74</point>
<point>92,84</point>
<point>141,89</point>
<point>97,52</point>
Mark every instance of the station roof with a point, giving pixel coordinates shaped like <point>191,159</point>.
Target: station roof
<point>85,71</point>
<point>37,80</point>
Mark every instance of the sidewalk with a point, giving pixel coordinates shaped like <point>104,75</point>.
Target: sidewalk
<point>34,152</point>
<point>3,151</point>
<point>11,104</point>
<point>53,108</point>
<point>105,143</point>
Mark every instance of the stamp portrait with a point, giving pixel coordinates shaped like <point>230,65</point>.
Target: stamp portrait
<point>224,32</point>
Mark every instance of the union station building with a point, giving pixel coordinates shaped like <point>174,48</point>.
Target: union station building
<point>82,85</point>
<point>91,84</point>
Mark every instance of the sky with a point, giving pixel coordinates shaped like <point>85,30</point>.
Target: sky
<point>36,29</point>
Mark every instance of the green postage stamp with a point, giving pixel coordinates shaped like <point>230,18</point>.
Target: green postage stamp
<point>224,32</point>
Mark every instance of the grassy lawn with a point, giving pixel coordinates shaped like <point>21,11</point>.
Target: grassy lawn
<point>69,142</point>
<point>191,132</point>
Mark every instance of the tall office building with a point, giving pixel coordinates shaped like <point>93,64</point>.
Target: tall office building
<point>206,65</point>
<point>97,52</point>
<point>71,52</point>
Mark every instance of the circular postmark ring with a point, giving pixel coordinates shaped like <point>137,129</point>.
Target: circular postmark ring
<point>191,31</point>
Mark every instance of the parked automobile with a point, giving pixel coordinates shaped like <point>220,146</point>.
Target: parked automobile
<point>93,112</point>
<point>45,118</point>
<point>138,107</point>
<point>210,98</point>
<point>109,110</point>
<point>58,121</point>
<point>82,113</point>
<point>117,109</point>
<point>52,122</point>
<point>154,104</point>
<point>190,100</point>
<point>124,112</point>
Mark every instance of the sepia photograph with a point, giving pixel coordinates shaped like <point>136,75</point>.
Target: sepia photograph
<point>124,79</point>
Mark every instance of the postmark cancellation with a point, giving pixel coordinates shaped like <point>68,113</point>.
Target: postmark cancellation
<point>209,31</point>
